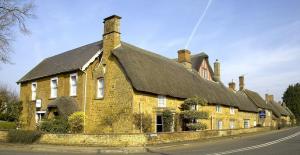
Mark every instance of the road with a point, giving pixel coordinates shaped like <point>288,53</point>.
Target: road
<point>285,142</point>
<point>282,142</point>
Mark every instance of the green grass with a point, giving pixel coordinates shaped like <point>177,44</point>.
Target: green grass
<point>7,125</point>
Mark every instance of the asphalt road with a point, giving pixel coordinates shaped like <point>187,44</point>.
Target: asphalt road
<point>285,142</point>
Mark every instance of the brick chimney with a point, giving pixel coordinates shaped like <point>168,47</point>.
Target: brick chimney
<point>184,57</point>
<point>269,98</point>
<point>231,85</point>
<point>111,35</point>
<point>242,82</point>
<point>217,71</point>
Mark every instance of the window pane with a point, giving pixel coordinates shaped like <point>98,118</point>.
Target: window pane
<point>100,90</point>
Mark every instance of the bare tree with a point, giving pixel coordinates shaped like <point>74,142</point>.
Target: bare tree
<point>12,13</point>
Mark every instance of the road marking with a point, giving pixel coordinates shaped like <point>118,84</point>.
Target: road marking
<point>257,146</point>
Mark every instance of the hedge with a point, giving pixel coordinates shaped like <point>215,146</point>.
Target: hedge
<point>7,125</point>
<point>23,136</point>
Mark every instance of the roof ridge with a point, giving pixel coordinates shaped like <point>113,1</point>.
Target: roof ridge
<point>72,50</point>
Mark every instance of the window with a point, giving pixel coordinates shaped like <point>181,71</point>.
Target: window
<point>33,91</point>
<point>39,115</point>
<point>73,84</point>
<point>194,107</point>
<point>231,110</point>
<point>254,123</point>
<point>246,123</point>
<point>219,124</point>
<point>100,88</point>
<point>54,85</point>
<point>268,113</point>
<point>159,123</point>
<point>218,108</point>
<point>162,101</point>
<point>231,124</point>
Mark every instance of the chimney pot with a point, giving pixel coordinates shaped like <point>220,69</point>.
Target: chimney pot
<point>232,85</point>
<point>242,82</point>
<point>217,71</point>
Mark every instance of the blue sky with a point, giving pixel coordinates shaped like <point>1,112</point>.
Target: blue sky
<point>256,38</point>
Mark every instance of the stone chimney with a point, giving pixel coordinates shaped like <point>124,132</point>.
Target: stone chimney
<point>242,82</point>
<point>269,98</point>
<point>231,85</point>
<point>184,57</point>
<point>217,71</point>
<point>111,35</point>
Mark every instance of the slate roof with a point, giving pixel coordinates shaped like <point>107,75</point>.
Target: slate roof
<point>65,62</point>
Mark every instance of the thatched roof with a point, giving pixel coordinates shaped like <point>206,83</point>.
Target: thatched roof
<point>152,73</point>
<point>147,72</point>
<point>65,62</point>
<point>65,105</point>
<point>197,60</point>
<point>256,99</point>
<point>280,110</point>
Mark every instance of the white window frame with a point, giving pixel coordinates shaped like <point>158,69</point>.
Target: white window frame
<point>33,92</point>
<point>73,88</point>
<point>161,101</point>
<point>219,124</point>
<point>246,123</point>
<point>52,95</point>
<point>100,94</point>
<point>231,124</point>
<point>218,108</point>
<point>232,111</point>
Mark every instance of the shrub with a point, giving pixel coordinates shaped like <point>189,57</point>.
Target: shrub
<point>167,120</point>
<point>23,136</point>
<point>196,126</point>
<point>193,101</point>
<point>7,125</point>
<point>56,125</point>
<point>146,122</point>
<point>193,114</point>
<point>76,122</point>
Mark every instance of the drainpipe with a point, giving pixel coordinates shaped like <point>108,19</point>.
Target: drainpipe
<point>84,101</point>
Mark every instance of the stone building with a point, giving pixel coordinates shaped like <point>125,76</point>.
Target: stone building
<point>112,80</point>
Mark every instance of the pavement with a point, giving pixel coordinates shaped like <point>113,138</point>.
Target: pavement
<point>286,141</point>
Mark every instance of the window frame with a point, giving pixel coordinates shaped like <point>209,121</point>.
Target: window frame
<point>71,86</point>
<point>232,110</point>
<point>33,98</point>
<point>218,108</point>
<point>248,123</point>
<point>51,87</point>
<point>163,99</point>
<point>231,124</point>
<point>98,95</point>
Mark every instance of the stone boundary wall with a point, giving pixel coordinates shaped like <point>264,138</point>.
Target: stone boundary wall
<point>198,135</point>
<point>123,140</point>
